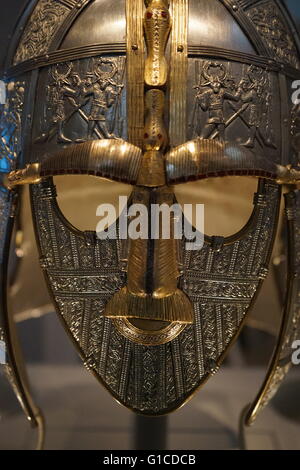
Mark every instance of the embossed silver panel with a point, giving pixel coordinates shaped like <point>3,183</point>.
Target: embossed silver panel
<point>274,30</point>
<point>40,28</point>
<point>85,100</point>
<point>236,102</point>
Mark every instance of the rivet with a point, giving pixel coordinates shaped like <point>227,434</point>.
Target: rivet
<point>134,47</point>
<point>180,48</point>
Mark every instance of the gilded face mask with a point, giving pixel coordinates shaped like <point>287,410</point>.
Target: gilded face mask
<point>155,94</point>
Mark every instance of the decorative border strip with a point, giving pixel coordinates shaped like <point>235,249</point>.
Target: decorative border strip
<point>227,54</point>
<point>198,276</point>
<point>247,3</point>
<point>285,120</point>
<point>64,55</point>
<point>69,3</point>
<point>178,75</point>
<point>260,61</point>
<point>135,70</point>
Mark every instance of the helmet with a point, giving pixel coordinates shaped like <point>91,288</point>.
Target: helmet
<point>154,94</point>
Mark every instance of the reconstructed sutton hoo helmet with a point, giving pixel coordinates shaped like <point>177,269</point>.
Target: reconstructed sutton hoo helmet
<point>152,94</point>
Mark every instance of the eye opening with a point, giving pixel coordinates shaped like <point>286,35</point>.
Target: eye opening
<point>228,202</point>
<point>78,197</point>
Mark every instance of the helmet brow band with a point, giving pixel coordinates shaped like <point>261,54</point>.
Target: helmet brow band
<point>121,161</point>
<point>201,158</point>
<point>113,159</point>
